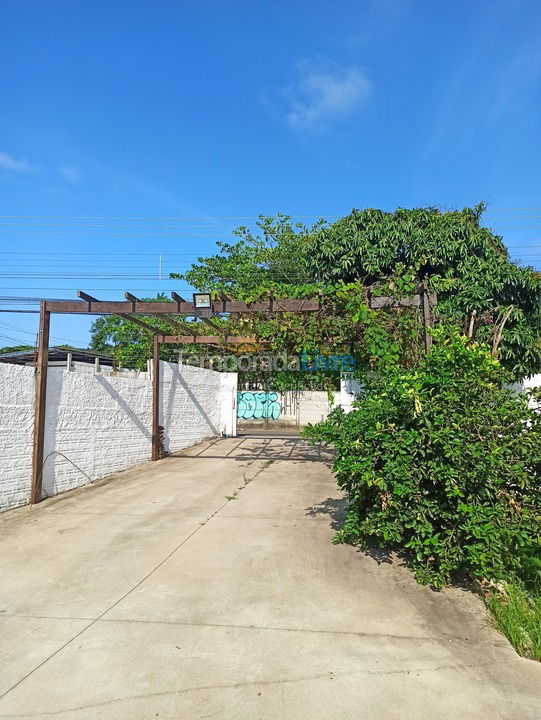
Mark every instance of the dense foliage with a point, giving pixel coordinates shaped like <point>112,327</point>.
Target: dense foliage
<point>478,286</point>
<point>467,264</point>
<point>442,462</point>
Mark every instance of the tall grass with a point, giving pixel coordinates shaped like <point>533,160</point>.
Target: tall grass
<point>517,613</point>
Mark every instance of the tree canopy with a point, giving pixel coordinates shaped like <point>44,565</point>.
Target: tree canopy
<point>479,287</point>
<point>16,348</point>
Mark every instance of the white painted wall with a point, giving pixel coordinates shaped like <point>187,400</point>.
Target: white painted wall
<point>531,382</point>
<point>16,429</point>
<point>349,389</point>
<point>314,406</point>
<point>99,424</point>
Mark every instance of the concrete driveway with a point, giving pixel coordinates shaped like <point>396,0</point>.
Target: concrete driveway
<point>206,586</point>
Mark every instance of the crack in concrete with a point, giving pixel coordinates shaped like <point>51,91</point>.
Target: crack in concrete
<point>138,584</point>
<point>270,628</point>
<point>256,684</point>
<point>340,633</point>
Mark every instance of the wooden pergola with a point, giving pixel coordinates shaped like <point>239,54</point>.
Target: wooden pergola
<point>132,307</point>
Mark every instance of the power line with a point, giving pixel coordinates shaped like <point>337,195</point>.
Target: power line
<point>12,339</point>
<point>89,289</point>
<point>523,217</point>
<point>99,254</point>
<point>79,275</point>
<point>29,332</point>
<point>102,225</point>
<point>9,298</point>
<point>176,235</point>
<point>132,275</point>
<point>162,219</point>
<point>256,216</point>
<point>206,218</point>
<point>141,225</point>
<point>127,255</point>
<point>115,234</point>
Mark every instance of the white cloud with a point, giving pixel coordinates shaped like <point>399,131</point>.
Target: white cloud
<point>70,174</point>
<point>8,162</point>
<point>320,95</point>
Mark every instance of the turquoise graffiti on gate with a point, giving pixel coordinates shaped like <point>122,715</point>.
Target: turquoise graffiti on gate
<point>258,405</point>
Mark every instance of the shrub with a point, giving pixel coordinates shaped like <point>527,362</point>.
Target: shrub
<point>441,461</point>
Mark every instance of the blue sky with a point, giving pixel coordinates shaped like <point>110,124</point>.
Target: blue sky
<point>219,111</point>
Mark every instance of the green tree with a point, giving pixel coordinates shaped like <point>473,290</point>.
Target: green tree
<point>275,260</point>
<point>467,264</point>
<point>16,348</point>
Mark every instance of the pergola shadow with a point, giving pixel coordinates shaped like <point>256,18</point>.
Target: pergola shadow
<point>290,449</point>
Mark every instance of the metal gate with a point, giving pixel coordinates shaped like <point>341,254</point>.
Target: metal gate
<point>264,409</point>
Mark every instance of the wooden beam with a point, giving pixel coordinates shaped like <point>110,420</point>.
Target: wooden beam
<point>151,328</point>
<point>179,301</point>
<point>86,296</point>
<point>156,400</point>
<point>180,307</point>
<point>274,305</point>
<point>132,299</point>
<point>179,325</point>
<point>209,323</point>
<point>210,340</point>
<point>377,302</point>
<point>106,307</point>
<point>302,305</point>
<point>427,316</point>
<point>40,403</point>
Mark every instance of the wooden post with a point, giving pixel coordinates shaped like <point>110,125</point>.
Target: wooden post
<point>427,316</point>
<point>40,403</point>
<point>156,399</point>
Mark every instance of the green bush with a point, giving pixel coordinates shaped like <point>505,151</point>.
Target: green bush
<point>442,462</point>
